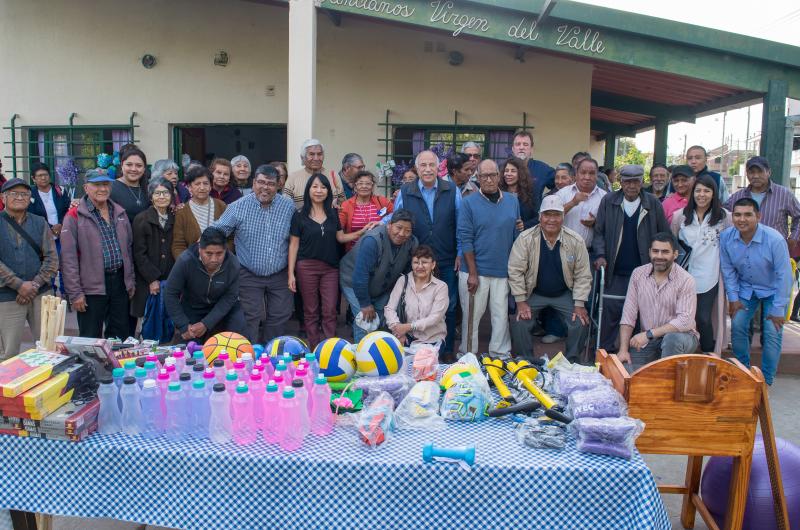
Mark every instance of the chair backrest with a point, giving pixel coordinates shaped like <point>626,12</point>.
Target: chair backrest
<point>690,404</point>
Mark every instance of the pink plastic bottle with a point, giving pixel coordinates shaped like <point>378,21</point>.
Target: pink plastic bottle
<point>321,415</point>
<point>257,391</point>
<point>162,381</point>
<point>154,358</point>
<point>244,430</point>
<point>308,383</point>
<point>226,359</point>
<point>271,423</point>
<point>239,367</point>
<point>265,360</point>
<point>171,371</point>
<point>230,383</point>
<point>278,378</point>
<point>291,436</point>
<point>180,360</point>
<point>209,377</point>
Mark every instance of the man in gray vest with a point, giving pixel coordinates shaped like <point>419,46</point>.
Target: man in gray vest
<point>368,273</point>
<point>28,261</point>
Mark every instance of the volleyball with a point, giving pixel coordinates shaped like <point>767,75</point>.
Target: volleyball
<point>337,359</point>
<point>229,341</point>
<point>277,347</point>
<point>379,353</point>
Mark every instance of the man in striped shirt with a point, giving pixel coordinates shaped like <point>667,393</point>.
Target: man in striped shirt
<point>776,203</point>
<point>662,295</point>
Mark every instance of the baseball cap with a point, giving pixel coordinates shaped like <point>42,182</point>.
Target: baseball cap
<point>13,183</point>
<point>684,170</point>
<point>552,203</point>
<point>98,175</point>
<point>758,161</point>
<point>631,172</point>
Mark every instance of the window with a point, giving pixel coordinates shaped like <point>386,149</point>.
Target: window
<point>56,146</point>
<point>407,141</point>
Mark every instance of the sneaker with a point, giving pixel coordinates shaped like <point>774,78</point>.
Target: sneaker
<point>550,339</point>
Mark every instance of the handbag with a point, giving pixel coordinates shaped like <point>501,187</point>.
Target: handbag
<point>401,308</point>
<point>684,253</point>
<point>157,324</point>
<point>25,235</point>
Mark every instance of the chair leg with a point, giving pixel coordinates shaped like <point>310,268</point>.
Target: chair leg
<point>737,496</point>
<point>688,510</point>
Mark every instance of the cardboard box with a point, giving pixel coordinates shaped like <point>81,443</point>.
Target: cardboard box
<point>26,370</point>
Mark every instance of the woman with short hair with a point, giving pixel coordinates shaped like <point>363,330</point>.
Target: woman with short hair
<point>221,187</point>
<point>364,208</point>
<point>200,213</point>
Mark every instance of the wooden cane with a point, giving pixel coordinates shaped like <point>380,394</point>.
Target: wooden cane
<point>470,324</point>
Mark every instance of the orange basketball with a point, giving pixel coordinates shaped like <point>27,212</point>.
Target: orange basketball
<point>231,342</point>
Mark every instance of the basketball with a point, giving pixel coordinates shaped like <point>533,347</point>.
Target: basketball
<point>279,346</point>
<point>337,359</point>
<point>229,341</point>
<point>379,353</point>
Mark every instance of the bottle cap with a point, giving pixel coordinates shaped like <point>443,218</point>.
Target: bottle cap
<point>297,383</point>
<point>140,372</point>
<point>247,355</point>
<point>281,366</point>
<point>199,384</point>
<point>238,365</point>
<point>149,365</point>
<point>129,380</point>
<point>301,372</point>
<point>310,357</point>
<point>231,376</point>
<point>199,368</point>
<point>130,365</point>
<point>209,374</point>
<point>118,372</point>
<point>174,386</point>
<point>219,363</point>
<point>105,380</point>
<point>198,355</point>
<point>288,393</point>
<point>277,377</point>
<point>255,376</point>
<point>190,362</point>
<point>185,377</point>
<point>170,367</point>
<point>321,379</point>
<point>169,361</point>
<point>258,365</point>
<point>218,387</point>
<point>151,357</point>
<point>149,383</point>
<point>178,354</point>
<point>272,386</point>
<point>223,355</point>
<point>241,388</point>
<point>162,375</point>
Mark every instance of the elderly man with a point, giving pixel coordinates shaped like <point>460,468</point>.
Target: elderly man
<point>659,178</point>
<point>435,204</point>
<point>661,296</point>
<point>626,222</point>
<point>367,273</point>
<point>241,174</point>
<point>756,269</point>
<point>28,262</point>
<point>582,200</point>
<point>312,155</point>
<point>97,261</point>
<point>460,171</point>
<point>486,230</point>
<point>549,267</point>
<point>541,173</point>
<point>352,164</point>
<point>682,182</point>
<point>474,152</point>
<point>260,224</point>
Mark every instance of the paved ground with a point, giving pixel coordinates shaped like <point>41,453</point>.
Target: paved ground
<point>784,397</point>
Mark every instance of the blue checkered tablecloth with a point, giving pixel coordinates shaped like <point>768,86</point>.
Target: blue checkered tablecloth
<point>333,482</point>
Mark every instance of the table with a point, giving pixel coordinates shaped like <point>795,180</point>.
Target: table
<point>333,482</point>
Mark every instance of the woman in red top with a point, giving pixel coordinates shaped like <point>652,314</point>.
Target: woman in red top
<point>364,207</point>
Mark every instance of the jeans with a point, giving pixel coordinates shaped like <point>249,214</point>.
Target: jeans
<point>265,299</point>
<point>449,276</point>
<point>677,343</point>
<point>379,303</point>
<point>771,338</point>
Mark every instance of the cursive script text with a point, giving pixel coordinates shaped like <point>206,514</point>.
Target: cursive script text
<point>442,12</point>
<point>523,30</point>
<point>575,37</point>
<point>377,6</point>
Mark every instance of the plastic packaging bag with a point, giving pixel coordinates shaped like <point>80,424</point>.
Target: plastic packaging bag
<point>541,433</point>
<point>419,410</point>
<point>568,382</point>
<point>598,402</point>
<point>607,436</point>
<point>376,421</point>
<point>467,400</point>
<point>425,365</point>
<point>397,385</point>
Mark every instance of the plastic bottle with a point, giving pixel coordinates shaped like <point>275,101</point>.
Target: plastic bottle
<point>169,359</point>
<point>153,358</point>
<point>186,382</point>
<point>109,419</point>
<point>209,378</point>
<point>151,369</point>
<point>247,359</point>
<point>219,370</point>
<point>132,420</point>
<point>278,379</point>
<point>271,420</point>
<point>140,374</point>
<point>162,382</point>
<point>173,374</point>
<point>313,365</point>
<point>180,360</point>
<point>290,366</point>
<point>130,368</point>
<point>268,366</point>
<point>301,395</point>
<point>197,372</point>
<point>118,374</point>
<point>230,384</point>
<point>177,413</point>
<point>244,430</point>
<point>219,422</point>
<point>199,409</point>
<point>223,355</point>
<point>283,370</point>
<point>188,365</point>
<point>291,436</point>
<point>308,382</point>
<point>239,368</point>
<point>152,416</point>
<point>321,415</point>
<point>199,358</point>
<point>257,391</point>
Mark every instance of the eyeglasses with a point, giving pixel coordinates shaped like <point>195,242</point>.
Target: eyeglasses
<point>19,194</point>
<point>474,156</point>
<point>161,193</point>
<point>487,176</point>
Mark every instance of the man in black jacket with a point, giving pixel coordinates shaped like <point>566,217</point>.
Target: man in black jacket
<point>202,291</point>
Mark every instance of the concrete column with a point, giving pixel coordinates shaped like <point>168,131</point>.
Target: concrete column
<point>611,149</point>
<point>302,78</point>
<point>660,144</point>
<point>773,130</point>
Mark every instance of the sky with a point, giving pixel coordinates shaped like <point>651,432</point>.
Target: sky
<point>777,20</point>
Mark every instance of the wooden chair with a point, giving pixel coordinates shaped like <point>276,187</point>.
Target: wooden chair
<point>697,405</point>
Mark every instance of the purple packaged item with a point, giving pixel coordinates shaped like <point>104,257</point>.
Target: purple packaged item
<point>607,436</point>
<point>569,382</point>
<point>598,402</point>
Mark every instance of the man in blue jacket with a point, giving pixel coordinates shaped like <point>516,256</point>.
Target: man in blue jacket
<point>542,175</point>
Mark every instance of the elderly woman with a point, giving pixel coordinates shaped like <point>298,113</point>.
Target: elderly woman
<point>127,190</point>
<point>516,179</point>
<point>152,243</point>
<point>201,210</point>
<point>169,170</point>
<point>418,303</point>
<point>283,173</point>
<point>364,208</point>
<point>241,174</point>
<point>221,187</point>
<point>697,226</point>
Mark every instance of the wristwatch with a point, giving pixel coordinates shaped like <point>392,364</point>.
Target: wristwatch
<point>649,334</point>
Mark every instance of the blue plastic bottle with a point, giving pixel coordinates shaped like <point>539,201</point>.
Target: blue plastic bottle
<point>177,413</point>
<point>219,422</point>
<point>109,419</point>
<point>200,410</point>
<point>132,419</point>
<point>153,419</point>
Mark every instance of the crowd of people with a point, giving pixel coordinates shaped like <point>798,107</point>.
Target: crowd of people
<point>237,248</point>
